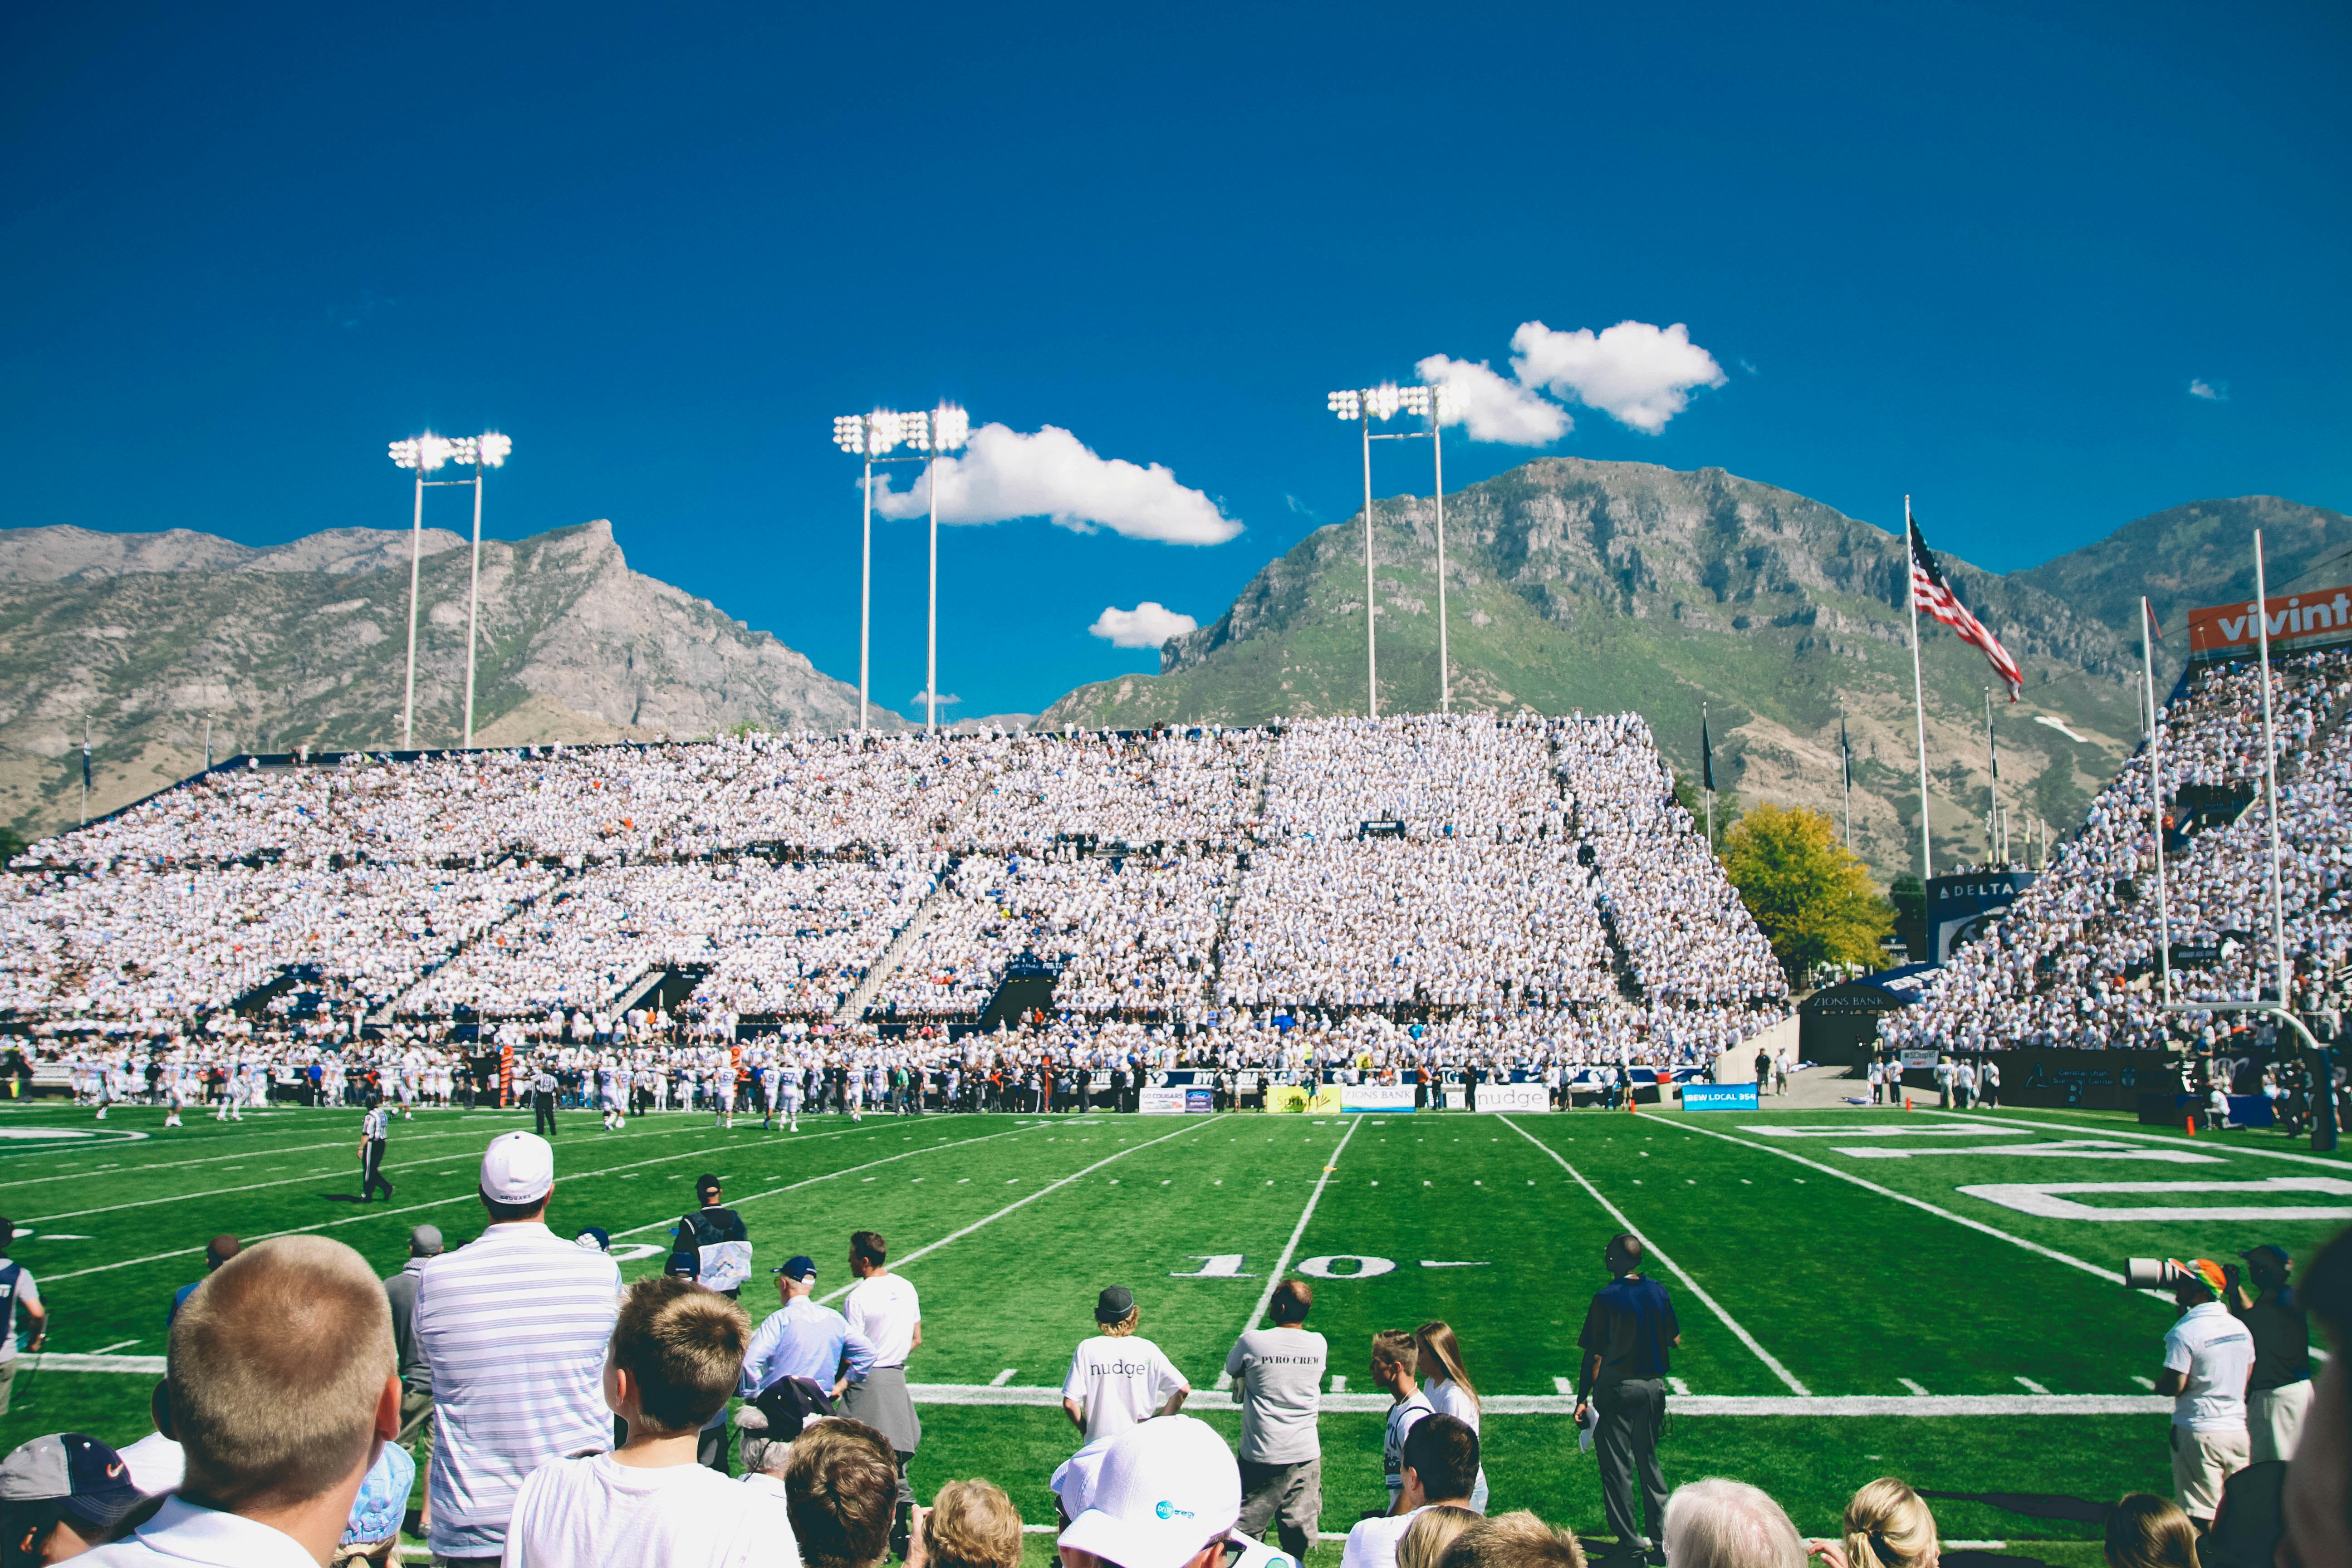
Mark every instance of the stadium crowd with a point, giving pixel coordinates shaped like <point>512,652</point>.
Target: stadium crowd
<point>1516,893</point>
<point>2076,960</point>
<point>550,1415</point>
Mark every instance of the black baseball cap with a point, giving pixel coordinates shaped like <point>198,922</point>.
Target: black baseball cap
<point>2277,1253</point>
<point>1114,1304</point>
<point>704,1183</point>
<point>89,1479</point>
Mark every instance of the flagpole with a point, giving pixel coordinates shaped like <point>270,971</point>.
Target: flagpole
<point>1992,787</point>
<point>1707,764</point>
<point>2155,801</point>
<point>2270,777</point>
<point>1845,765</point>
<point>1918,699</point>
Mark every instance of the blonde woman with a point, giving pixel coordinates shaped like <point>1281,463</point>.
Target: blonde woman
<point>972,1525</point>
<point>2144,1531</point>
<point>1449,1388</point>
<point>1432,1530</point>
<point>1887,1525</point>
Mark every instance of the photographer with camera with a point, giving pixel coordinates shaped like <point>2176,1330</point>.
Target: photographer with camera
<point>2207,1358</point>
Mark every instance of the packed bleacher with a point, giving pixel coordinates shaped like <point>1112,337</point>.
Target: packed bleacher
<point>2076,960</point>
<point>1515,891</point>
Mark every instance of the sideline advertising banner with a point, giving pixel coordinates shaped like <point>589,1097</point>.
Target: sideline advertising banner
<point>1291,1099</point>
<point>1200,1101</point>
<point>2296,620</point>
<point>1381,1097</point>
<point>1519,1098</point>
<point>1719,1097</point>
<point>1163,1101</point>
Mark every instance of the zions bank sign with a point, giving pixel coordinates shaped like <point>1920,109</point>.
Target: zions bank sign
<point>2296,620</point>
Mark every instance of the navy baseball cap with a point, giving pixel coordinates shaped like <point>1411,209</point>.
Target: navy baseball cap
<point>85,1477</point>
<point>2278,1253</point>
<point>593,1238</point>
<point>803,1267</point>
<point>684,1265</point>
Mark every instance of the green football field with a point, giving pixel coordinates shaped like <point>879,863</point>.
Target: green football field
<point>1925,1294</point>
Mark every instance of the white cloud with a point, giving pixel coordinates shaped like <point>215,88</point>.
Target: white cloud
<point>1638,375</point>
<point>1496,410</point>
<point>2210,391</point>
<point>1147,626</point>
<point>1004,474</point>
<point>945,698</point>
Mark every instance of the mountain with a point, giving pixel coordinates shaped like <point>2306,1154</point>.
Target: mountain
<point>151,635</point>
<point>1600,586</point>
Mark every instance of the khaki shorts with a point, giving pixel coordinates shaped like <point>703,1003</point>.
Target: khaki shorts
<point>2275,1419</point>
<point>8,1382</point>
<point>2202,1461</point>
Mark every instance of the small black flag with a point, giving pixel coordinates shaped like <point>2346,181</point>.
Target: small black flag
<point>85,762</point>
<point>1845,752</point>
<point>1706,752</point>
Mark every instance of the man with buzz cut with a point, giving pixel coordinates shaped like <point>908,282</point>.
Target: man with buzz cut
<point>1277,1376</point>
<point>1629,1332</point>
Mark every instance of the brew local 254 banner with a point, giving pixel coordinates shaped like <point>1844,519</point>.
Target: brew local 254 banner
<point>2322,616</point>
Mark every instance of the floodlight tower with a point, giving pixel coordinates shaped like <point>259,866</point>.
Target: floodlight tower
<point>1437,404</point>
<point>427,453</point>
<point>873,437</point>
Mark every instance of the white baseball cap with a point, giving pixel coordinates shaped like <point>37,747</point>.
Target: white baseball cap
<point>1165,1489</point>
<point>518,1168</point>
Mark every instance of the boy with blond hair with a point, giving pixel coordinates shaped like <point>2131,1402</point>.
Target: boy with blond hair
<point>675,1353</point>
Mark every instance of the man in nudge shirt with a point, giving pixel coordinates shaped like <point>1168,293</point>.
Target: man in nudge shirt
<point>1629,1331</point>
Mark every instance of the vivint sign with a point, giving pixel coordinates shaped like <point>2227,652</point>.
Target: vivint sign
<point>2221,631</point>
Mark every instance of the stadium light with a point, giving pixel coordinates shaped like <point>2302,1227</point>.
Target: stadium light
<point>1437,404</point>
<point>873,437</point>
<point>428,454</point>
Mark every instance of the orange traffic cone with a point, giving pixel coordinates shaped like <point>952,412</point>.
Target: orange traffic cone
<point>2192,1125</point>
<point>1907,1102</point>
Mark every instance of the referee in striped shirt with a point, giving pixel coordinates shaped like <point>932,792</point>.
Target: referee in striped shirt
<point>375,1136</point>
<point>513,1326</point>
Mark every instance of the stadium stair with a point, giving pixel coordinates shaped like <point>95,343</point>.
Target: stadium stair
<point>854,1007</point>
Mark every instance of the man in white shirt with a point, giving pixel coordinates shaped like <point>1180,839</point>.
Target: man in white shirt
<point>281,1390</point>
<point>1277,1376</point>
<point>2206,1357</point>
<point>1118,1380</point>
<point>883,1309</point>
<point>676,1350</point>
<point>1396,1359</point>
<point>513,1326</point>
<point>1441,1467</point>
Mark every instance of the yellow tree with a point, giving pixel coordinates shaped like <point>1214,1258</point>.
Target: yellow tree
<point>1813,900</point>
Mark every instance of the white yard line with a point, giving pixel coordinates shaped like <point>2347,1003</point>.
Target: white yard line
<point>2029,1386</point>
<point>1918,1390</point>
<point>1002,1378</point>
<point>2109,1275</point>
<point>2169,1139</point>
<point>1290,1247</point>
<point>1668,1263</point>
<point>248,1153</point>
<point>418,1208</point>
<point>1033,1197</point>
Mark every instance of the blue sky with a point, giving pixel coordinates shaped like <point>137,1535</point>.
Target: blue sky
<point>1980,254</point>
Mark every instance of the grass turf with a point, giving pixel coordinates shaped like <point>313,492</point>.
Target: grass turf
<point>1009,1225</point>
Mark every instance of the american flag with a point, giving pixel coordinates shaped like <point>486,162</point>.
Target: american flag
<point>1932,595</point>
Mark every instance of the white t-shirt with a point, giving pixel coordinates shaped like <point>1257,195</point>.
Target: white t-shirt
<point>594,1509</point>
<point>885,1309</point>
<point>1402,1416</point>
<point>1372,1543</point>
<point>2216,1352</point>
<point>1120,1381</point>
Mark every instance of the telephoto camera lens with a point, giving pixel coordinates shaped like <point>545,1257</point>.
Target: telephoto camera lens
<point>2151,1273</point>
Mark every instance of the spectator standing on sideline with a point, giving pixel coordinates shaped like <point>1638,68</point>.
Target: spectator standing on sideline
<point>884,1308</point>
<point>841,1492</point>
<point>375,1136</point>
<point>677,1352</point>
<point>1396,1358</point>
<point>801,1339</point>
<point>280,1388</point>
<point>718,1239</point>
<point>2278,1393</point>
<point>18,1298</point>
<point>1717,1523</point>
<point>1116,1379</point>
<point>1449,1390</point>
<point>415,1375</point>
<point>1988,1084</point>
<point>2207,1358</point>
<point>1628,1333</point>
<point>217,1251</point>
<point>1277,1376</point>
<point>1440,1466</point>
<point>2319,1482</point>
<point>513,1326</point>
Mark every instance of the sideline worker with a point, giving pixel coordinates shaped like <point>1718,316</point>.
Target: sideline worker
<point>2206,1357</point>
<point>1629,1331</point>
<point>2279,1390</point>
<point>375,1136</point>
<point>542,1101</point>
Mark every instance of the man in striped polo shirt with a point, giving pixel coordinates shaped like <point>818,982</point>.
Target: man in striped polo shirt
<point>514,1327</point>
